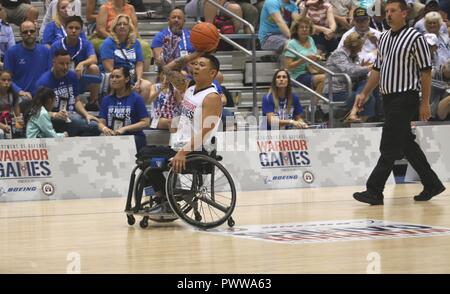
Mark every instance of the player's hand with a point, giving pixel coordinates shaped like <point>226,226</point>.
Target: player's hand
<point>178,162</point>
<point>424,111</point>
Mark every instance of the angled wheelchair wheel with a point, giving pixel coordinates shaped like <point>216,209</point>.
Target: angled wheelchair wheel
<point>203,195</point>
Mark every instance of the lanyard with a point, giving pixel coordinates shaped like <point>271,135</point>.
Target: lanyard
<point>282,113</point>
<point>79,50</point>
<point>183,37</point>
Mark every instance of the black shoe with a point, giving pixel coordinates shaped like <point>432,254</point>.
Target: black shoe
<point>368,197</point>
<point>427,194</point>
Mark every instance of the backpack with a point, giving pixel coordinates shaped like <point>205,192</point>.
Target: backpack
<point>225,26</point>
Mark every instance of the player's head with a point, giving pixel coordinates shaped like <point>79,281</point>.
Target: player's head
<point>205,68</point>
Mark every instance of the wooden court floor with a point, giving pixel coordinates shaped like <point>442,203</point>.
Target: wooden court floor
<point>48,236</point>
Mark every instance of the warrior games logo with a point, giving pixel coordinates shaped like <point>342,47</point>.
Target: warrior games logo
<point>24,161</point>
<point>283,153</point>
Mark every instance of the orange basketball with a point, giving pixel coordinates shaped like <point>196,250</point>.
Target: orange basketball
<point>205,37</point>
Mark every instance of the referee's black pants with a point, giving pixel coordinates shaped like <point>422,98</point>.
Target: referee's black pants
<point>397,141</point>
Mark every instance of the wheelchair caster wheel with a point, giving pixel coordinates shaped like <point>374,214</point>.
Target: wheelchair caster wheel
<point>130,219</point>
<point>231,222</point>
<point>144,222</point>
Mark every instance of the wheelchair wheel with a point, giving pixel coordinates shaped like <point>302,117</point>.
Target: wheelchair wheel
<point>203,195</point>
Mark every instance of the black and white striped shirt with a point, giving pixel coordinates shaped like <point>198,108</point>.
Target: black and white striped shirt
<point>401,57</point>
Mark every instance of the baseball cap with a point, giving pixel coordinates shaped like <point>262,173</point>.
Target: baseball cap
<point>431,39</point>
<point>360,12</point>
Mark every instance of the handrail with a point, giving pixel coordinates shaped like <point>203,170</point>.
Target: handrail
<point>330,86</point>
<point>231,42</point>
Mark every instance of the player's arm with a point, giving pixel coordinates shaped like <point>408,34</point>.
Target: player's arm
<point>173,70</point>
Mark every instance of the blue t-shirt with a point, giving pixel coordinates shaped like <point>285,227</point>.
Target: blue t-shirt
<point>173,47</point>
<point>27,65</point>
<point>53,33</point>
<point>125,57</point>
<point>267,25</point>
<point>268,106</point>
<point>65,88</point>
<point>78,53</point>
<point>125,110</point>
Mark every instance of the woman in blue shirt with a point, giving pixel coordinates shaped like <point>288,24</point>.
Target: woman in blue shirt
<point>280,105</point>
<point>123,112</point>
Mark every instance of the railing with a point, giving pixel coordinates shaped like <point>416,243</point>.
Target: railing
<point>251,53</point>
<point>328,100</point>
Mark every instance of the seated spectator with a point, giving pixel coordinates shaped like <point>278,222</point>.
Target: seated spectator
<point>68,113</point>
<point>321,14</point>
<point>38,122</point>
<point>303,43</point>
<point>275,20</point>
<point>123,49</point>
<point>343,13</point>
<point>92,8</point>
<point>370,35</point>
<point>378,16</point>
<point>439,97</point>
<point>6,36</point>
<point>431,5</point>
<point>82,53</point>
<point>173,41</point>
<point>27,61</point>
<point>54,31</point>
<point>415,11</point>
<point>433,21</point>
<point>107,14</point>
<point>123,112</point>
<point>250,13</point>
<point>281,107</point>
<point>10,117</point>
<point>345,60</point>
<point>74,8</point>
<point>18,11</point>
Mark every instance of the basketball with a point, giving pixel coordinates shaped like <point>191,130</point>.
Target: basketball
<point>205,37</point>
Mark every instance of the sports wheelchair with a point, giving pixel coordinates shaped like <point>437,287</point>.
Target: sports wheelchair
<point>203,195</point>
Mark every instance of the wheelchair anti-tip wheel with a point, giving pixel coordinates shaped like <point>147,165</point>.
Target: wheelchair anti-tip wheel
<point>204,194</point>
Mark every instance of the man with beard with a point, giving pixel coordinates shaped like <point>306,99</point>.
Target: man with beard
<point>173,41</point>
<point>27,61</point>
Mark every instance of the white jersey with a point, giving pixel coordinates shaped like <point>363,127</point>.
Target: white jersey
<point>191,119</point>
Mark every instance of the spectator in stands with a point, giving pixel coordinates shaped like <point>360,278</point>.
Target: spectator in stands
<point>92,8</point>
<point>38,122</point>
<point>6,36</point>
<point>378,17</point>
<point>275,20</point>
<point>303,43</point>
<point>443,109</point>
<point>54,31</point>
<point>166,102</point>
<point>173,41</point>
<point>107,14</point>
<point>431,5</point>
<point>433,21</point>
<point>346,60</point>
<point>321,14</point>
<point>74,8</point>
<point>122,48</point>
<point>9,107</point>
<point>123,112</point>
<point>440,98</point>
<point>370,35</point>
<point>343,13</point>
<point>18,11</point>
<point>415,11</point>
<point>27,61</point>
<point>281,106</point>
<point>68,113</point>
<point>250,13</point>
<point>82,53</point>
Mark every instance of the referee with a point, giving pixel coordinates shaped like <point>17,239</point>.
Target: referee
<point>402,69</point>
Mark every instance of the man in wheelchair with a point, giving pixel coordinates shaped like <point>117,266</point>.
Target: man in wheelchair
<point>194,129</point>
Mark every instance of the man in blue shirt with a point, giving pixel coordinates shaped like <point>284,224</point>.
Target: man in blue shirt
<point>82,53</point>
<point>173,41</point>
<point>27,61</point>
<point>18,11</point>
<point>276,17</point>
<point>69,114</point>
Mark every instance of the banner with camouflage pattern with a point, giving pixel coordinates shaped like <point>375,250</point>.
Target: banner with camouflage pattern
<point>65,168</point>
<point>300,158</point>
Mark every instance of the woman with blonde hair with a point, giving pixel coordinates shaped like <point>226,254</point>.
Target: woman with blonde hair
<point>281,106</point>
<point>74,8</point>
<point>123,48</point>
<point>54,31</point>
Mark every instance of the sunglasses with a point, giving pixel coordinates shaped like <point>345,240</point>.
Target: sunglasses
<point>26,32</point>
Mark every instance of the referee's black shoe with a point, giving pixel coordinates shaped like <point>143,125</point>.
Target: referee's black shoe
<point>427,194</point>
<point>369,197</point>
